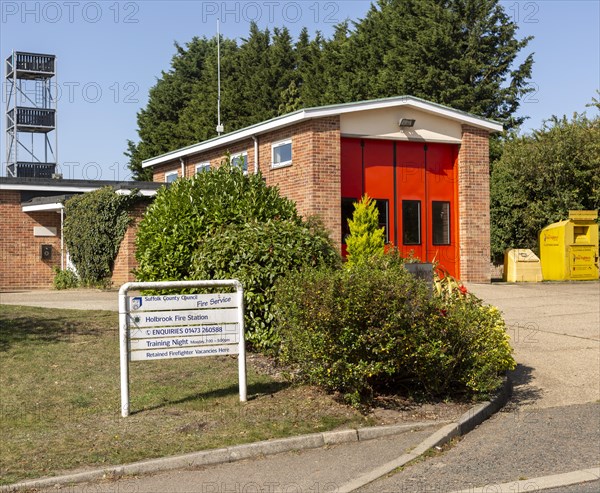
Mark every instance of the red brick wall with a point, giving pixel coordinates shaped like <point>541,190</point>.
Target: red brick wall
<point>474,205</point>
<point>313,179</point>
<point>21,266</point>
<point>214,156</point>
<point>125,261</point>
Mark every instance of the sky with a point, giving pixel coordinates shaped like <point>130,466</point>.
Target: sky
<point>110,53</point>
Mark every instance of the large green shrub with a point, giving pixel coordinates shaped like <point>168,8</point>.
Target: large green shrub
<point>95,223</point>
<point>190,211</point>
<point>258,254</point>
<point>223,224</point>
<point>374,328</point>
<point>366,238</point>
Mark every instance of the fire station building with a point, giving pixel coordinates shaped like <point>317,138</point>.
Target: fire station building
<point>426,165</point>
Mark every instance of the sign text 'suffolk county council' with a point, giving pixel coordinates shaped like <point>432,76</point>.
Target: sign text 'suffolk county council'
<point>180,326</point>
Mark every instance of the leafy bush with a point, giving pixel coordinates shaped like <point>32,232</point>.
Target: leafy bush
<point>366,238</point>
<point>258,254</point>
<point>374,328</point>
<point>190,211</point>
<point>65,279</point>
<point>95,223</point>
<point>224,224</point>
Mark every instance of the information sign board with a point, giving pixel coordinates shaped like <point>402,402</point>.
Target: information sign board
<point>180,326</point>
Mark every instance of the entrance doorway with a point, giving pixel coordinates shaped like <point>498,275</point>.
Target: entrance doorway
<point>416,188</point>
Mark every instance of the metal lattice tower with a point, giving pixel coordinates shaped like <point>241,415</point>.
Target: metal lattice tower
<point>31,97</point>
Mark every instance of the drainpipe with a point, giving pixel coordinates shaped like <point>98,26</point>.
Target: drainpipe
<point>255,154</point>
<point>62,238</point>
<point>182,167</point>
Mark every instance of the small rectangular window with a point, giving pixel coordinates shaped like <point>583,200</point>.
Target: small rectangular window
<point>240,160</point>
<point>440,222</point>
<point>411,222</point>
<point>281,154</point>
<point>171,176</point>
<point>383,208</point>
<point>202,167</point>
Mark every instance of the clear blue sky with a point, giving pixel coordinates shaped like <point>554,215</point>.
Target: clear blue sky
<point>110,54</point>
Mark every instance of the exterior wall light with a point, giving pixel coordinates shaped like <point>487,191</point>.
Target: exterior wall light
<point>406,122</point>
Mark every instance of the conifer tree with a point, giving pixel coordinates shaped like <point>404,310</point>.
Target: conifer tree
<point>366,238</point>
<point>460,53</point>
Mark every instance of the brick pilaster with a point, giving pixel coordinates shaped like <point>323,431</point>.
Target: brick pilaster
<point>474,205</point>
<point>125,261</point>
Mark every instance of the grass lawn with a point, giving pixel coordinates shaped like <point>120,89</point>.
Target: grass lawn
<point>60,400</point>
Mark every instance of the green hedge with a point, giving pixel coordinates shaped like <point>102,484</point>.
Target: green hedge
<point>258,254</point>
<point>374,328</point>
<point>223,224</point>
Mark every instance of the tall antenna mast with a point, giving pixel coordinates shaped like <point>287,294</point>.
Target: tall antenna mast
<point>219,126</point>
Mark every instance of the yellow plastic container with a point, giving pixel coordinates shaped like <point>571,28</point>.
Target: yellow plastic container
<point>569,249</point>
<point>522,265</point>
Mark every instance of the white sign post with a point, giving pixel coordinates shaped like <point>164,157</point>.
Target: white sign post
<point>180,326</point>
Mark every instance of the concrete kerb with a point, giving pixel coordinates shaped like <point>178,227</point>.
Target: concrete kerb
<point>465,423</point>
<point>223,455</point>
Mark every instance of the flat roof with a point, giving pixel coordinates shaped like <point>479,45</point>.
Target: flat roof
<point>53,203</point>
<point>146,188</point>
<point>324,111</point>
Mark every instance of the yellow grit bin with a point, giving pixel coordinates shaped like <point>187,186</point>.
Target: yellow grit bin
<point>569,249</point>
<point>522,265</point>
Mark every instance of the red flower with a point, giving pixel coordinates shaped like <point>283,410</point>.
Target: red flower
<point>463,289</point>
<point>443,312</point>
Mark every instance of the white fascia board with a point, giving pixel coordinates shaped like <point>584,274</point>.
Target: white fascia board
<point>57,206</point>
<point>55,188</point>
<point>127,191</point>
<point>321,112</point>
<point>46,188</point>
<point>245,133</point>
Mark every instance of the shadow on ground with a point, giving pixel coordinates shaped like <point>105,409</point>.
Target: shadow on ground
<point>255,390</point>
<point>43,328</point>
<point>524,394</point>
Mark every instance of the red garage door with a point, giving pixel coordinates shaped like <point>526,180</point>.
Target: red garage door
<point>415,186</point>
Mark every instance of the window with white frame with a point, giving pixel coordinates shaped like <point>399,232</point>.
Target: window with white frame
<point>281,154</point>
<point>240,160</point>
<point>202,167</point>
<point>171,176</point>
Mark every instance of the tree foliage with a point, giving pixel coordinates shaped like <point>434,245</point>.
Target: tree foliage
<point>366,239</point>
<point>540,177</point>
<point>95,223</point>
<point>461,53</point>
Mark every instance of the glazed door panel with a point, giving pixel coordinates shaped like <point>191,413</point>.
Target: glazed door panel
<point>442,223</point>
<point>410,193</point>
<point>379,180</point>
